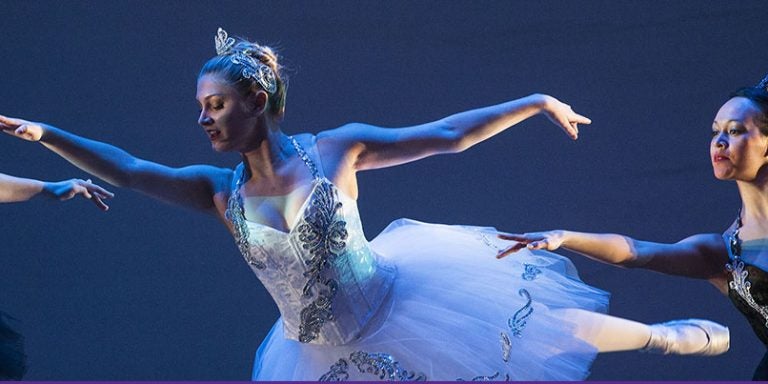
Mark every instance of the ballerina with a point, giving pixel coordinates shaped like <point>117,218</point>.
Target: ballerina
<point>420,301</point>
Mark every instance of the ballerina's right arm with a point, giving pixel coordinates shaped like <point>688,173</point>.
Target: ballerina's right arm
<point>192,186</point>
<point>700,256</point>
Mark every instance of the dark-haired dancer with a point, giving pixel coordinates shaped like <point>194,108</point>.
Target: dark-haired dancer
<point>16,189</point>
<point>420,301</point>
<point>736,262</point>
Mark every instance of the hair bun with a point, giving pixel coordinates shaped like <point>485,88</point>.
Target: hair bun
<point>237,59</point>
<point>262,53</point>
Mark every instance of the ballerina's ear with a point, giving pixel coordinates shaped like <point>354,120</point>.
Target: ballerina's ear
<point>257,100</point>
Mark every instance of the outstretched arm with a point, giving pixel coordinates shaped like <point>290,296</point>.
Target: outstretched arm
<point>192,186</point>
<point>369,147</point>
<point>16,189</point>
<point>700,256</point>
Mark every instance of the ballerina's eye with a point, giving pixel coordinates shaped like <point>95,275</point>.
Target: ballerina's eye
<point>735,131</point>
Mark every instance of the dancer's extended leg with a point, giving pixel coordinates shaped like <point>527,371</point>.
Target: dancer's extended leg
<point>613,334</point>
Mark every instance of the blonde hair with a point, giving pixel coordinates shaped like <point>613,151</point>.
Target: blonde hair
<point>232,72</point>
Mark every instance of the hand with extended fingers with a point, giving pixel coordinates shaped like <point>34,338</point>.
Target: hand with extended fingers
<point>22,129</point>
<point>550,240</point>
<point>67,189</point>
<point>563,116</point>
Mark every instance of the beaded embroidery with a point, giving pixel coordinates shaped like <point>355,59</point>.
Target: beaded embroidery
<point>531,271</point>
<point>323,233</point>
<point>740,283</point>
<point>338,372</point>
<point>487,378</point>
<point>236,215</point>
<point>382,365</point>
<point>506,347</point>
<point>387,368</point>
<point>518,321</point>
<point>516,324</point>
<point>252,68</point>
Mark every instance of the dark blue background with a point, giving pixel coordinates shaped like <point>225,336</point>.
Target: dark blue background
<point>154,292</point>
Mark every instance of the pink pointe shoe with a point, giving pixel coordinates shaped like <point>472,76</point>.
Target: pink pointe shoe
<point>674,337</point>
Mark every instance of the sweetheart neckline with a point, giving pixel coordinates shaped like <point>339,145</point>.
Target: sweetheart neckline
<point>294,223</point>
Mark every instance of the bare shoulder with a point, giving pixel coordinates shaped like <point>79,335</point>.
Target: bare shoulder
<point>713,249</point>
<point>341,142</point>
<point>706,243</point>
<point>700,256</point>
<point>713,252</point>
<point>347,134</point>
<point>221,178</point>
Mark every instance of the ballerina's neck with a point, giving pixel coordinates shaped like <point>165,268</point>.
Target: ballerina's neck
<point>268,159</point>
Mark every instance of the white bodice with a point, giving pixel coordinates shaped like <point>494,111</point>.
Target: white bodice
<point>322,273</point>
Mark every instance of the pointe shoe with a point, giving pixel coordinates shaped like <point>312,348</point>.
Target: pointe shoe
<point>670,338</point>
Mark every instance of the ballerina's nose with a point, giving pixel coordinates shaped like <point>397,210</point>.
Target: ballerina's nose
<point>204,119</point>
<point>720,141</point>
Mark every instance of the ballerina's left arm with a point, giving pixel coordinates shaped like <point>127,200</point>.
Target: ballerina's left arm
<point>369,147</point>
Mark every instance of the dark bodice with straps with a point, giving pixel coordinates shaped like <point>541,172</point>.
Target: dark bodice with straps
<point>758,290</point>
<point>748,284</point>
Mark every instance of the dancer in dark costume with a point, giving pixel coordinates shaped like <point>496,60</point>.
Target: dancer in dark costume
<point>736,261</point>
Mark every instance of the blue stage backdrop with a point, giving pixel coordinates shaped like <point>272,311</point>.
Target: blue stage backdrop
<point>150,291</point>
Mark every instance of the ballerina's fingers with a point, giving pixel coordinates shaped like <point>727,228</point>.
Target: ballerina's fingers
<point>96,193</point>
<point>510,250</point>
<point>571,123</point>
<point>576,118</point>
<point>90,191</point>
<point>8,122</point>
<point>96,189</point>
<point>98,200</point>
<point>520,239</point>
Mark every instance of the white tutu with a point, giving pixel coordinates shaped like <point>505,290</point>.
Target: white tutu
<point>454,312</point>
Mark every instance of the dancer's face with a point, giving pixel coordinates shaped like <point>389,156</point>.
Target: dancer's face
<point>738,151</point>
<point>225,114</point>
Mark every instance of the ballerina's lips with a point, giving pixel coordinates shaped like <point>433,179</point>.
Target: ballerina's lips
<point>213,134</point>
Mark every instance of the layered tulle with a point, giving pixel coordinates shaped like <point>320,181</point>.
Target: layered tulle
<point>454,312</point>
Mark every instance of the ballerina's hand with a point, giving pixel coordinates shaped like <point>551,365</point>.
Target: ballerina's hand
<point>550,240</point>
<point>22,129</point>
<point>563,116</point>
<point>67,189</point>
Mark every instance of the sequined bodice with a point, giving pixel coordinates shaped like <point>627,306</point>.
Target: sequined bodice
<point>322,273</point>
<point>748,285</point>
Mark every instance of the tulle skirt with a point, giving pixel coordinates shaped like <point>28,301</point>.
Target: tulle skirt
<point>454,312</point>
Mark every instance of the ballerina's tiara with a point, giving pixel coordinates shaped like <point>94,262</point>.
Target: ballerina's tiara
<point>252,68</point>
